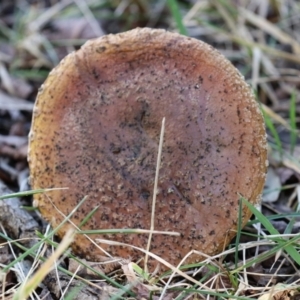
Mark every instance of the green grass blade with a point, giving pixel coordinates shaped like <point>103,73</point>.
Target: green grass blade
<point>30,284</point>
<point>79,261</point>
<point>293,124</point>
<point>37,245</point>
<point>175,11</point>
<point>28,193</point>
<point>267,254</point>
<point>238,236</point>
<point>31,252</point>
<point>268,225</point>
<point>89,215</point>
<point>74,292</point>
<point>290,226</point>
<point>273,130</point>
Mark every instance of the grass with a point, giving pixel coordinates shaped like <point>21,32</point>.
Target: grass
<point>276,242</point>
<point>176,14</point>
<point>293,123</point>
<point>29,286</point>
<point>270,125</point>
<point>262,39</point>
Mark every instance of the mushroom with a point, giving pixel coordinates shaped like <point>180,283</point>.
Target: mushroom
<point>96,127</point>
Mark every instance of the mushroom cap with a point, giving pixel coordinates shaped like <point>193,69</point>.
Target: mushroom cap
<point>96,127</point>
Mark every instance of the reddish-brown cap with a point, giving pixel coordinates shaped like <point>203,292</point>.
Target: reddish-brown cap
<point>96,127</point>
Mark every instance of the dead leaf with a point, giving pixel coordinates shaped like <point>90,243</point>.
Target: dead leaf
<point>280,292</point>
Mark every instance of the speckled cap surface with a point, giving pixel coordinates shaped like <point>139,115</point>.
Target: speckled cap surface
<point>96,127</point>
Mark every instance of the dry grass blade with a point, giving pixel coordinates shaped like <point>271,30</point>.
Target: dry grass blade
<point>6,79</point>
<point>161,138</point>
<point>131,230</point>
<point>262,39</point>
<point>13,103</point>
<point>278,54</point>
<point>49,13</point>
<point>28,287</point>
<point>194,11</point>
<point>276,116</point>
<point>255,67</point>
<point>77,228</point>
<point>225,15</point>
<point>89,17</point>
<point>270,28</point>
<point>159,259</point>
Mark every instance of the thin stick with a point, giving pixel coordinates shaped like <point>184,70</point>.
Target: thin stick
<point>161,138</point>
